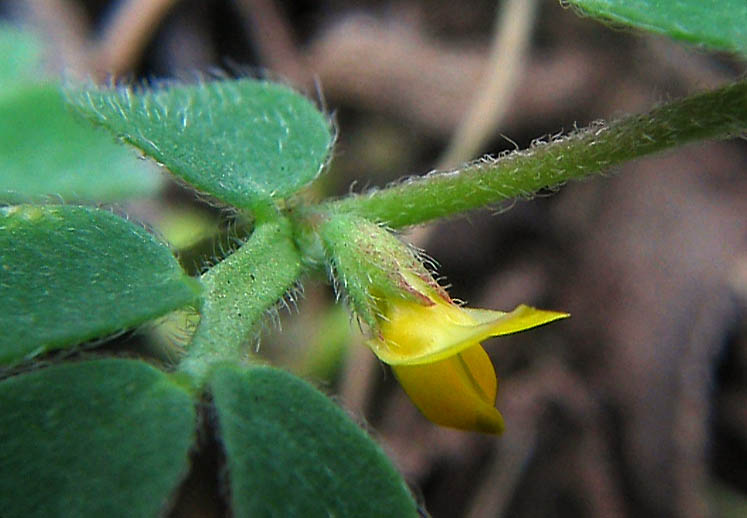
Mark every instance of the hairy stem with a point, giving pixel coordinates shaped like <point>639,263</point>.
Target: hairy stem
<point>238,293</point>
<point>717,114</point>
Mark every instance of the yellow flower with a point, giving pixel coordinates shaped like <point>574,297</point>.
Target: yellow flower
<point>431,343</point>
<point>433,347</point>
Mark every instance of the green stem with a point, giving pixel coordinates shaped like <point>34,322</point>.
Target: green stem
<point>717,114</point>
<point>238,293</point>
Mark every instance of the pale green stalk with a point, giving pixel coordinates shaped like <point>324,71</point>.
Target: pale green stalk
<point>717,114</point>
<point>238,293</point>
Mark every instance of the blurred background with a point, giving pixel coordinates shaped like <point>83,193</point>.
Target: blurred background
<point>636,406</point>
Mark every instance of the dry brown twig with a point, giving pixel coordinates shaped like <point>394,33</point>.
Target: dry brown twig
<point>64,26</point>
<point>274,40</point>
<point>505,66</point>
<point>125,37</point>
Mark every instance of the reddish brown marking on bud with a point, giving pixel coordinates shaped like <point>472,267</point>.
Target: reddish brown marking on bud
<point>424,299</point>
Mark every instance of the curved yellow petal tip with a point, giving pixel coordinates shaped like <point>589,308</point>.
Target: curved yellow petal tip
<point>414,334</point>
<point>457,392</point>
<point>520,319</point>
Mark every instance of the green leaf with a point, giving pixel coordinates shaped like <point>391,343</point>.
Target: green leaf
<point>91,439</point>
<point>291,452</point>
<point>20,58</point>
<point>718,24</point>
<point>70,274</point>
<point>45,151</point>
<point>244,141</point>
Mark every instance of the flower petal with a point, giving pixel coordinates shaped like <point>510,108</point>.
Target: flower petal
<point>520,319</point>
<point>458,392</point>
<point>416,334</point>
<point>413,331</point>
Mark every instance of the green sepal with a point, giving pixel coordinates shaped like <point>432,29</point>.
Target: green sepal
<point>370,263</point>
